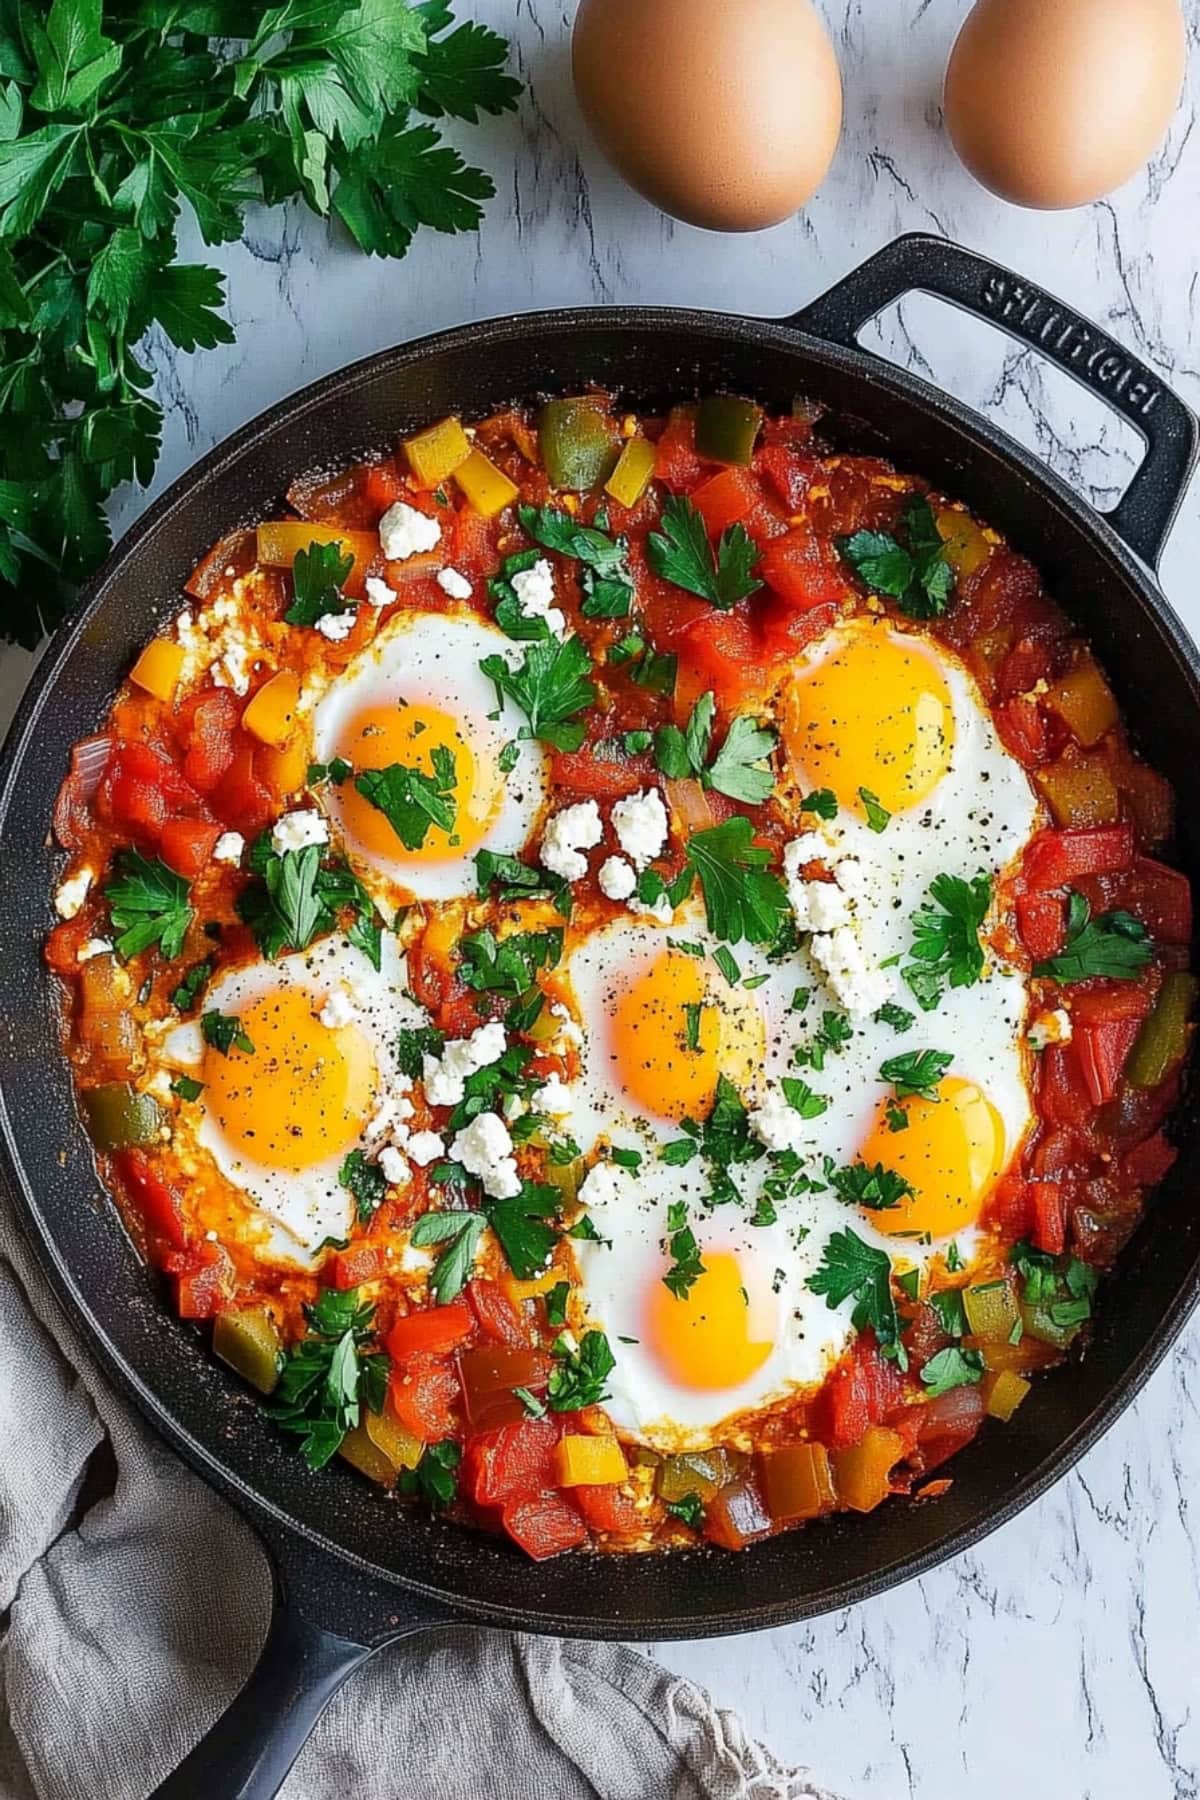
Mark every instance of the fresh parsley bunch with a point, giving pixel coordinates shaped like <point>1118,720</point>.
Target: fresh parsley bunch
<point>115,116</point>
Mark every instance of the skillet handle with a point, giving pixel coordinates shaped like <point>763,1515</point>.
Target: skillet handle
<point>919,262</point>
<point>247,1753</point>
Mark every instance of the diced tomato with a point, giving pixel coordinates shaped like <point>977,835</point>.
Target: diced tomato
<point>1008,1207</point>
<point>803,570</point>
<point>606,777</point>
<point>1161,898</point>
<point>423,1394</point>
<point>1041,923</point>
<point>1022,730</point>
<point>439,1329</point>
<point>1106,1001</point>
<point>187,844</point>
<point>156,1200</point>
<point>512,1460</point>
<point>1049,1214</point>
<point>383,486</point>
<point>472,539</point>
<point>1063,1097</point>
<point>947,1424</point>
<point>860,1392</point>
<point>725,499</point>
<point>205,1283</point>
<point>789,472</point>
<point>242,801</point>
<point>1027,663</point>
<point>350,1268</point>
<point>676,464</point>
<point>1150,799</point>
<point>1147,1163</point>
<point>543,1525</point>
<point>210,721</point>
<point>737,1515</point>
<point>719,651</point>
<point>1057,1151</point>
<point>495,1313</point>
<point>1055,858</point>
<point>608,1509</point>
<point>786,631</point>
<point>1099,1052</point>
<point>141,789</point>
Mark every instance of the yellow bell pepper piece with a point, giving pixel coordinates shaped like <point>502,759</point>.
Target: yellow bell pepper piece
<point>271,714</point>
<point>283,768</point>
<point>590,1462</point>
<point>363,1454</point>
<point>158,668</point>
<point>436,452</point>
<point>486,487</point>
<point>1003,1392</point>
<point>535,1285</point>
<point>279,539</point>
<point>402,1448</point>
<point>629,479</point>
<point>1079,790</point>
<point>247,1338</point>
<point>991,1310</point>
<point>1084,702</point>
<point>862,1473</point>
<point>966,548</point>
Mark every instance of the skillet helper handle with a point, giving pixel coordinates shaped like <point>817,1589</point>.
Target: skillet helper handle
<point>922,263</point>
<point>250,1749</point>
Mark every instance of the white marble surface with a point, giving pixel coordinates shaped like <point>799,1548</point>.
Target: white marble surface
<point>1060,1659</point>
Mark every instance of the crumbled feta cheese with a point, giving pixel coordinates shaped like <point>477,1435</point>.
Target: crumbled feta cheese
<point>394,1167</point>
<point>568,833</point>
<point>93,947</point>
<point>568,1029</point>
<point>660,909</point>
<point>72,893</point>
<point>808,847</point>
<point>378,592</point>
<point>229,847</point>
<point>851,877</point>
<point>640,822</point>
<point>405,532</point>
<point>296,830</point>
<point>453,583</point>
<point>337,1010</point>
<point>826,906</point>
<point>159,1085</point>
<point>484,1148</point>
<point>606,1184</point>
<point>513,1107</point>
<point>777,1124</point>
<point>232,667</point>
<point>860,988</point>
<point>445,1076</point>
<point>617,878</point>
<point>1051,1028</point>
<point>425,1147</point>
<point>378,1124</point>
<point>337,626</point>
<point>534,589</point>
<point>554,1098</point>
<point>183,1046</point>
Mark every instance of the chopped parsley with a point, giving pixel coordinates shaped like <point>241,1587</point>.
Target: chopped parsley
<point>946,949</point>
<point>689,1508</point>
<point>691,1016</point>
<point>460,1232</point>
<point>878,817</point>
<point>737,769</point>
<point>365,1182</point>
<point>606,581</point>
<point>508,965</point>
<point>947,1303</point>
<point>189,990</point>
<point>830,1038</point>
<point>680,552</point>
<point>578,1377</point>
<point>822,802</point>
<point>917,575</point>
<point>328,1377</point>
<point>743,898</point>
<point>550,686</point>
<point>686,1266</point>
<point>853,1269</point>
<point>296,898</point>
<point>512,879</point>
<point>435,1478</point>
<point>148,904</point>
<point>521,1229</point>
<point>410,800</point>
<point>951,1368</point>
<point>556,1303</point>
<point>916,1073</point>
<point>870,1185</point>
<point>898,1017</point>
<point>1060,1287</point>
<point>225,1032</point>
<point>187,1088</point>
<point>801,1098</point>
<point>337,771</point>
<point>724,1141</point>
<point>1113,944</point>
<point>318,576</point>
<point>414,1044</point>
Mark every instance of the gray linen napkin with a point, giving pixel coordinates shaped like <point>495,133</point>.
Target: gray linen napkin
<point>131,1627</point>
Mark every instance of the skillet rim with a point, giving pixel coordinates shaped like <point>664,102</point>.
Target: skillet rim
<point>792,339</point>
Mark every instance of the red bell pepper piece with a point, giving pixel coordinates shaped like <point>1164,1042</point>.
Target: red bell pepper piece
<point>1041,924</point>
<point>209,722</point>
<point>186,845</point>
<point>158,1203</point>
<point>544,1525</point>
<point>350,1268</point>
<point>512,1460</point>
<point>495,1313</point>
<point>608,1509</point>
<point>1162,899</point>
<point>439,1330</point>
<point>1147,1163</point>
<point>789,472</point>
<point>737,1515</point>
<point>384,485</point>
<point>1100,1052</point>
<point>606,777</point>
<point>1055,858</point>
<point>1022,730</point>
<point>1063,1098</point>
<point>205,1283</point>
<point>241,800</point>
<point>676,464</point>
<point>423,1393</point>
<point>1049,1217</point>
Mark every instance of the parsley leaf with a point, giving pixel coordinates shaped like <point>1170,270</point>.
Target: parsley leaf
<point>916,1073</point>
<point>607,583</point>
<point>918,577</point>
<point>149,905</point>
<point>190,988</point>
<point>296,898</point>
<point>328,1377</point>
<point>318,576</point>
<point>460,1232</point>
<point>680,552</point>
<point>822,802</point>
<point>898,1017</point>
<point>878,817</point>
<point>743,899</point>
<point>801,1098</point>
<point>1113,944</point>
<point>550,686</point>
<point>512,879</point>
<point>872,1186</point>
<point>853,1269</point>
<point>225,1032</point>
<point>366,1183</point>
<point>689,1508</point>
<point>187,1087</point>
<point>521,1229</point>
<point>952,1368</point>
<point>686,1266</point>
<point>410,800</point>
<point>508,965</point>
<point>579,1376</point>
<point>736,769</point>
<point>435,1478</point>
<point>946,947</point>
<point>830,1037</point>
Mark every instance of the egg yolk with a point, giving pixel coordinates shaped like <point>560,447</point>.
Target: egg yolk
<point>671,1037</point>
<point>951,1153</point>
<point>302,1095</point>
<point>875,713</point>
<point>710,1338</point>
<point>409,734</point>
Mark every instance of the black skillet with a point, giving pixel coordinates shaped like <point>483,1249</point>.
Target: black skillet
<point>351,1574</point>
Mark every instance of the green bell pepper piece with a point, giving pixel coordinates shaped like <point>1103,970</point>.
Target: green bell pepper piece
<point>1162,1042</point>
<point>726,429</point>
<point>577,442</point>
<point>118,1117</point>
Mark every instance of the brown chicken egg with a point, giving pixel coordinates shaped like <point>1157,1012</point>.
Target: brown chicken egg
<point>724,113</point>
<point>1053,103</point>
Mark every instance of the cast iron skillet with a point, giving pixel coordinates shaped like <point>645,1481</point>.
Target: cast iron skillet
<point>350,1573</point>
